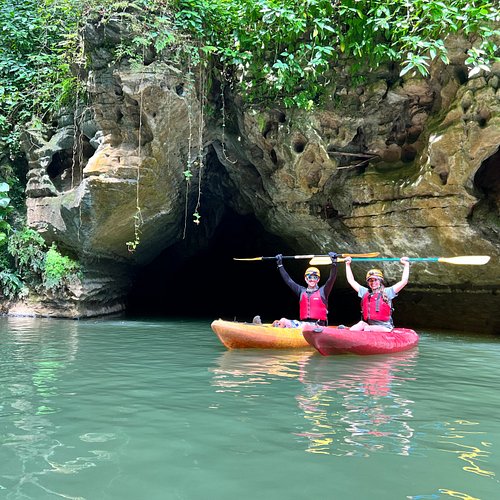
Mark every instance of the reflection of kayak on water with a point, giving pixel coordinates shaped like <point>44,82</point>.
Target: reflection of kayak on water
<point>331,340</point>
<point>250,367</point>
<point>354,406</point>
<point>235,335</point>
<point>373,375</point>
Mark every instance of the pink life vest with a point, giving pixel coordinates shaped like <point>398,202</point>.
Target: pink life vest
<point>312,306</point>
<point>374,307</point>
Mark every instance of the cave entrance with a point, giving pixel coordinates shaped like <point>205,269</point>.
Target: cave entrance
<point>485,213</point>
<point>210,284</point>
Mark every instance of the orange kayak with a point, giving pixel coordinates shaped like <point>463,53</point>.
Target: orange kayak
<point>236,335</point>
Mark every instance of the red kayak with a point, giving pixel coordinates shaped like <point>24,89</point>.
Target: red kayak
<point>330,340</point>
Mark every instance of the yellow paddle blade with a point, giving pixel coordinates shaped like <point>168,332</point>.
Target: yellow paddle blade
<point>466,260</point>
<point>323,261</point>
<point>369,254</point>
<point>250,258</point>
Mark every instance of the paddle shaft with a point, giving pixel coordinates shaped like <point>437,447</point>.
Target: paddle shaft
<point>294,257</point>
<point>320,261</point>
<point>396,259</point>
<point>471,260</point>
<point>312,256</point>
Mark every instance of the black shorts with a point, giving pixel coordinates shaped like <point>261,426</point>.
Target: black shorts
<point>320,322</point>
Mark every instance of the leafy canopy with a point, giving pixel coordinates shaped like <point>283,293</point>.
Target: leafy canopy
<point>38,41</point>
<point>286,49</point>
<point>272,49</point>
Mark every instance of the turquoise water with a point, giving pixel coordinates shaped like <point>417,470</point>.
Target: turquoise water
<point>160,410</point>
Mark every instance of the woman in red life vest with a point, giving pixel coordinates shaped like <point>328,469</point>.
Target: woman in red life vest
<point>376,300</point>
<point>313,300</point>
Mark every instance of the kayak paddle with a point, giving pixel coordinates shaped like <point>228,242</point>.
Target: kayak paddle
<point>324,257</point>
<point>465,260</point>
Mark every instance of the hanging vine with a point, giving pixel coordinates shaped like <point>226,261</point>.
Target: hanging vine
<point>199,159</point>
<point>223,113</point>
<point>138,220</point>
<point>202,78</point>
<point>188,174</point>
<point>80,110</point>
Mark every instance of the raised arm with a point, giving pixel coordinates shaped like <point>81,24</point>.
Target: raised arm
<point>286,277</point>
<point>406,275</point>
<point>333,274</point>
<point>349,275</point>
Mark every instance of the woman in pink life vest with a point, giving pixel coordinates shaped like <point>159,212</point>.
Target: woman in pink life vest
<point>376,299</point>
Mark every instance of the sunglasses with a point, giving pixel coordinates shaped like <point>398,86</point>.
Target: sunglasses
<point>314,277</point>
<point>372,279</point>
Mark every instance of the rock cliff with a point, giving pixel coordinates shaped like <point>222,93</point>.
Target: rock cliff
<point>403,166</point>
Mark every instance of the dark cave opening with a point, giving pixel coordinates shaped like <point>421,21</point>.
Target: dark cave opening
<point>485,214</point>
<point>199,278</point>
<point>486,179</point>
<point>211,284</point>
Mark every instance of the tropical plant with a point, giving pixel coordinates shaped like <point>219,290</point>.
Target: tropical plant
<point>28,250</point>
<point>59,270</point>
<point>34,265</point>
<point>11,286</point>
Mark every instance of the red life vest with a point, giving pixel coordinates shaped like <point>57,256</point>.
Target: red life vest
<point>312,306</point>
<point>373,306</point>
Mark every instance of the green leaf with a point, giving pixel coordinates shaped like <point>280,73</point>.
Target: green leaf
<point>4,202</point>
<point>444,58</point>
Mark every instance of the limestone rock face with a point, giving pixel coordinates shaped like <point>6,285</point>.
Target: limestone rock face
<point>110,185</point>
<point>400,166</point>
<point>122,187</point>
<point>349,181</point>
<point>134,170</point>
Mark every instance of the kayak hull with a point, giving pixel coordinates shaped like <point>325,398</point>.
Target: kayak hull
<point>235,335</point>
<point>329,340</point>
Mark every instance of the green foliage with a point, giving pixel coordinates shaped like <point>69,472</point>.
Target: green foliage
<point>21,262</point>
<point>10,173</point>
<point>28,249</point>
<point>148,32</point>
<point>273,50</point>
<point>133,244</point>
<point>4,210</point>
<point>59,270</point>
<point>37,46</point>
<point>287,50</point>
<point>34,265</point>
<point>11,285</point>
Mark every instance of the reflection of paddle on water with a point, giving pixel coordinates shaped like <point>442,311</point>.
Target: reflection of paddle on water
<point>354,405</point>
